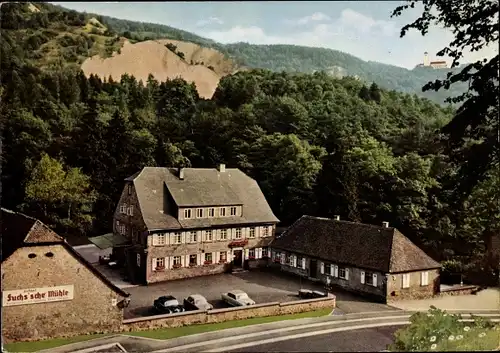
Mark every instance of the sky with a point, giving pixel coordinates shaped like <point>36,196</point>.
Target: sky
<point>361,28</point>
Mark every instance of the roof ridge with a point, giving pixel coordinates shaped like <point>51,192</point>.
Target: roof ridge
<point>349,222</point>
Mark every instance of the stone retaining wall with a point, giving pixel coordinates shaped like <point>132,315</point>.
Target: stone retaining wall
<point>229,314</point>
<point>459,290</point>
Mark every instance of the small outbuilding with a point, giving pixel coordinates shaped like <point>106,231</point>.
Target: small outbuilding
<point>48,289</point>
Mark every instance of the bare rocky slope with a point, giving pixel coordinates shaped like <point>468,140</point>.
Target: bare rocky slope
<point>203,66</point>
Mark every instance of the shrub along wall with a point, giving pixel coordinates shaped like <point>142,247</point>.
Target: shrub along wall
<point>221,315</point>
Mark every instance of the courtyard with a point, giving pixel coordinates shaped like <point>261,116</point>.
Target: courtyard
<point>261,286</point>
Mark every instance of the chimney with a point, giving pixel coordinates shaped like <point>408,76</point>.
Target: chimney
<point>222,168</point>
<point>385,224</point>
<point>336,217</point>
<point>181,173</point>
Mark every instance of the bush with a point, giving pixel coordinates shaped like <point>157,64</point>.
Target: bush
<point>437,330</point>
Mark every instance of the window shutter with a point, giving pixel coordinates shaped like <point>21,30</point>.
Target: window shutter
<point>332,270</point>
<point>155,239</point>
<point>374,279</point>
<point>422,279</point>
<point>322,268</point>
<point>186,261</point>
<point>346,274</point>
<point>282,258</point>
<point>335,271</point>
<point>294,261</point>
<point>217,234</point>
<point>216,259</point>
<point>303,263</point>
<point>363,277</point>
<point>153,263</point>
<point>183,238</point>
<point>258,253</point>
<point>198,259</point>
<point>246,254</point>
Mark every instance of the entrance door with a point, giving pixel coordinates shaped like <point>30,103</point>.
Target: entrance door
<point>313,268</point>
<point>238,258</point>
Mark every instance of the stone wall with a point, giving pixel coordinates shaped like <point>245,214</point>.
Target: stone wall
<point>415,291</point>
<point>222,315</point>
<point>93,308</point>
<point>459,290</point>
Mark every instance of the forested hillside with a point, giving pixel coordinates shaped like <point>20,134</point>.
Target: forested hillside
<point>316,145</point>
<point>55,36</point>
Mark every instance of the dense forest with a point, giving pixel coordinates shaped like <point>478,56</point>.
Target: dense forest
<point>71,39</point>
<point>316,144</point>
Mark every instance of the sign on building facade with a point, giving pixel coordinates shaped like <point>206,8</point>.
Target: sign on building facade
<point>37,295</point>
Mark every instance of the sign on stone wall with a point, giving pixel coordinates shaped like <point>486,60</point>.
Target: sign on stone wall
<point>37,295</point>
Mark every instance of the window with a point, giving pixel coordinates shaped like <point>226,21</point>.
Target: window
<point>122,229</point>
<point>238,233</point>
<point>160,263</point>
<point>208,257</point>
<point>211,212</point>
<point>251,234</point>
<point>192,237</point>
<point>138,260</point>
<point>290,260</point>
<point>177,238</point>
<point>199,213</point>
<point>232,211</point>
<point>369,278</point>
<point>130,210</point>
<point>266,232</point>
<point>222,211</point>
<point>424,278</point>
<point>123,208</point>
<point>161,239</point>
<point>251,254</point>
<point>265,252</point>
<point>406,280</point>
<point>342,273</point>
<point>328,269</point>
<point>192,260</point>
<point>177,261</point>
<point>187,213</point>
<point>129,187</point>
<point>223,234</point>
<point>208,235</point>
<point>223,256</point>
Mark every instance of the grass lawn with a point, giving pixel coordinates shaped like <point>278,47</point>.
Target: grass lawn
<point>163,333</point>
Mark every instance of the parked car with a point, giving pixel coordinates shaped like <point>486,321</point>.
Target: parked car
<point>309,294</point>
<point>197,302</point>
<point>237,298</point>
<point>167,304</point>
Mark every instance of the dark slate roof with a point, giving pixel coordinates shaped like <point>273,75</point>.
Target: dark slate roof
<point>366,246</point>
<point>200,187</point>
<point>20,230</point>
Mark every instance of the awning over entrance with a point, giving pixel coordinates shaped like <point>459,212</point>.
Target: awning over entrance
<point>109,240</point>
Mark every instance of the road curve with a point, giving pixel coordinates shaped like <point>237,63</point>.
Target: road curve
<point>310,331</point>
<point>362,340</point>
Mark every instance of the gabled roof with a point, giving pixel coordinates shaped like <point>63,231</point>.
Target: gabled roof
<point>366,246</point>
<point>20,230</point>
<point>157,187</point>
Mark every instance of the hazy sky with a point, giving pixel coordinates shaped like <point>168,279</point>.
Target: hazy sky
<point>361,28</point>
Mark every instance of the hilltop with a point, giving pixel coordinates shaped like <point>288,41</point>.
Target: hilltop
<point>108,46</point>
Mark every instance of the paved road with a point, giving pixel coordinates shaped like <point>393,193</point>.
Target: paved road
<point>363,340</point>
<point>353,332</point>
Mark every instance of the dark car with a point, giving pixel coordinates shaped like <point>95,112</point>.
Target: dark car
<point>167,304</point>
<point>309,294</point>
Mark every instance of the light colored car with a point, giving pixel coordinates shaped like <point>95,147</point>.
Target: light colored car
<point>237,298</point>
<point>197,302</point>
